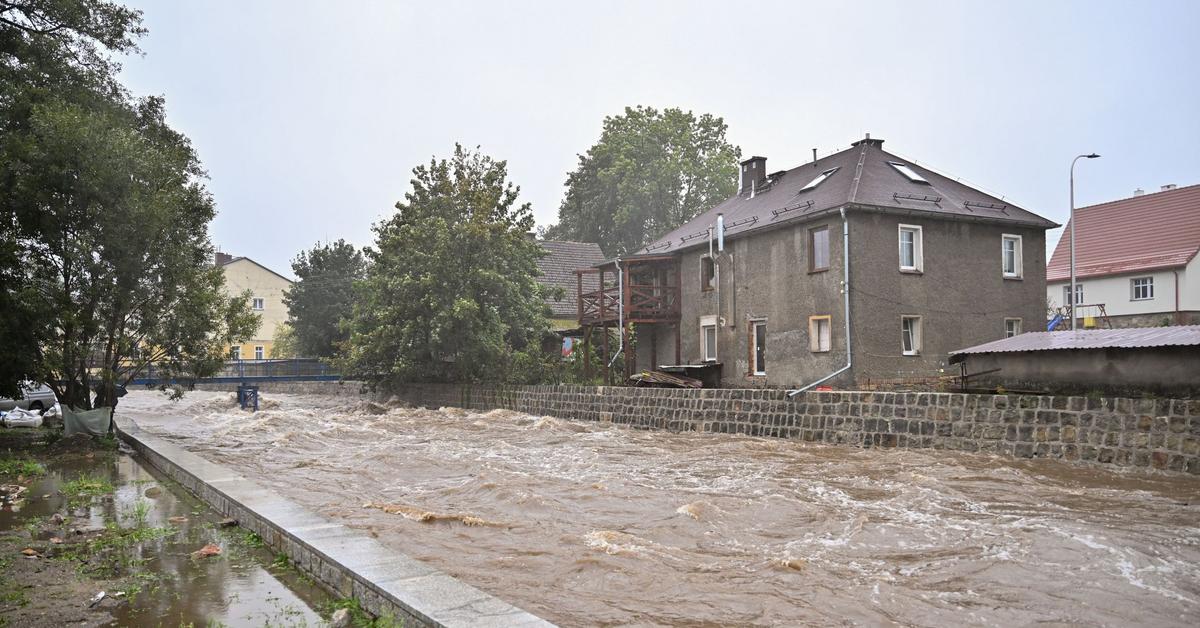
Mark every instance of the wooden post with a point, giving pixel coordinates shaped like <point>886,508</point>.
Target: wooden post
<point>653,347</point>
<point>587,352</point>
<point>629,355</point>
<point>630,360</point>
<point>603,314</point>
<point>604,354</point>
<point>579,295</point>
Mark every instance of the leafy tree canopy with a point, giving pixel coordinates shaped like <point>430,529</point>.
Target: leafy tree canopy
<point>451,292</point>
<point>103,213</point>
<point>650,172</point>
<point>322,297</point>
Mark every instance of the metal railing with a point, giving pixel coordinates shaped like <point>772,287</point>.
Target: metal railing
<point>298,369</point>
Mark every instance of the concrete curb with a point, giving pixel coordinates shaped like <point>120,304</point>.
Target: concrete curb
<point>345,560</point>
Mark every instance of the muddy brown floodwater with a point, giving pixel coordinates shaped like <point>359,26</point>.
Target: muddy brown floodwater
<point>590,524</point>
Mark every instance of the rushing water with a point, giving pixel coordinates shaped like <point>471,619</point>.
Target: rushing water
<point>588,524</point>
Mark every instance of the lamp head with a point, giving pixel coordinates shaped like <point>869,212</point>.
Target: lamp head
<point>1092,156</point>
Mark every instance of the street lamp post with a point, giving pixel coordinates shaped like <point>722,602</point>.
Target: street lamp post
<point>1073,294</point>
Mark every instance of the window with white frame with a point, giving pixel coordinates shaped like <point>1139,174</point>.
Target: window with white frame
<point>910,248</point>
<point>818,249</point>
<point>259,352</point>
<point>257,303</point>
<point>758,347</point>
<point>1012,327</point>
<point>235,352</point>
<point>1067,294</point>
<point>908,172</point>
<point>708,338</point>
<point>910,335</point>
<point>1011,255</point>
<point>1141,288</point>
<point>818,180</point>
<point>818,334</point>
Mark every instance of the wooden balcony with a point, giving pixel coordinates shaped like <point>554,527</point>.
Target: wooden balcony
<point>643,290</point>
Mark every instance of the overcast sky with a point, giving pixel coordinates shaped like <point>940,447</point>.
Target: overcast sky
<point>309,116</point>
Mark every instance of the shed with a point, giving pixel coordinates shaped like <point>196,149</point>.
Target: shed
<point>1161,361</point>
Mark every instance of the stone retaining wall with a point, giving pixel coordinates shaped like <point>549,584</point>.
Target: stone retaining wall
<point>1150,433</point>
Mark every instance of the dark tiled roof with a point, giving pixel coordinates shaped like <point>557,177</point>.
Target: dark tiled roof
<point>1132,338</point>
<point>558,271</point>
<point>1148,232</point>
<point>878,184</point>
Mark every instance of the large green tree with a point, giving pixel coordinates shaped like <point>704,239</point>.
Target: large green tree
<point>451,292</point>
<point>650,172</point>
<point>322,297</point>
<point>103,212</point>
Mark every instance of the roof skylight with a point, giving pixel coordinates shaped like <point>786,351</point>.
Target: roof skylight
<point>909,173</point>
<point>819,179</point>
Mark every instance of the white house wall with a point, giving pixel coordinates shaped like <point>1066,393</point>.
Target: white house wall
<point>1116,292</point>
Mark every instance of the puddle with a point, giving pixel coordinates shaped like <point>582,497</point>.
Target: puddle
<point>244,585</point>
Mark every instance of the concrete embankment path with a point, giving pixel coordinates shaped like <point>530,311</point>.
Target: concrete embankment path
<point>347,561</point>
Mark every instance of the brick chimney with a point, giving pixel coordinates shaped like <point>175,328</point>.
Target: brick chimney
<point>221,259</point>
<point>876,142</point>
<point>754,174</point>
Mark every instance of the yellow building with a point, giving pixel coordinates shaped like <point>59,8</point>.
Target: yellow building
<point>267,288</point>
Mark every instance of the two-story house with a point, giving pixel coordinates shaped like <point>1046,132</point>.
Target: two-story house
<point>858,266</point>
<point>267,288</point>
<point>1136,262</point>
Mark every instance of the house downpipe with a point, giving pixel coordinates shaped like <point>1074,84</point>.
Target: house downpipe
<point>620,312</point>
<point>845,304</point>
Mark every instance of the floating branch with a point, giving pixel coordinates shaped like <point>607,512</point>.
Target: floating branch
<point>805,205</point>
<point>896,196</point>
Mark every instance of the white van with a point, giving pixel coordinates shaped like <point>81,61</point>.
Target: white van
<point>37,398</point>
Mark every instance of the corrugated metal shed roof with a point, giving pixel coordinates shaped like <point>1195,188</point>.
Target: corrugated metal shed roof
<point>1141,233</point>
<point>1179,335</point>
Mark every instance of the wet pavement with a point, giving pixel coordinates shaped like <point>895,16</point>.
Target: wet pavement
<point>590,524</point>
<point>167,586</point>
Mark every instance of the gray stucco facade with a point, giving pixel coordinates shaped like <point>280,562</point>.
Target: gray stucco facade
<point>961,296</point>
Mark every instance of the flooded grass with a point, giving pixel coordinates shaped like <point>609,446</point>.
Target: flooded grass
<point>89,536</point>
<point>14,468</point>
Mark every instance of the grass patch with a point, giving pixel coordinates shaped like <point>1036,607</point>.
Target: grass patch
<point>13,467</point>
<point>86,486</point>
<point>140,513</point>
<point>361,618</point>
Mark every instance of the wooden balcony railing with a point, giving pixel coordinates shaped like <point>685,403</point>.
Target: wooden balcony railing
<point>644,303</point>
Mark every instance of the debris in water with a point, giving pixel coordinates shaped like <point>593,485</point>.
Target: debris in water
<point>99,597</point>
<point>30,552</point>
<point>425,516</point>
<point>228,522</point>
<point>56,540</point>
<point>178,520</point>
<point>57,518</point>
<point>206,551</point>
<point>340,618</point>
<point>153,492</point>
<point>793,563</point>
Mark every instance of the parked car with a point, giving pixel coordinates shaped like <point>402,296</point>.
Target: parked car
<point>38,397</point>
